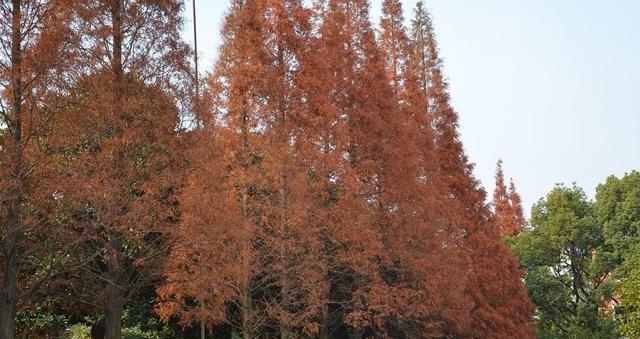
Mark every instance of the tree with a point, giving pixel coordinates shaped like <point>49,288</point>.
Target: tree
<point>507,207</point>
<point>255,163</point>
<point>436,241</point>
<point>565,276</point>
<point>628,312</point>
<point>515,201</point>
<point>617,211</point>
<point>120,175</point>
<point>368,141</point>
<point>120,143</point>
<point>501,307</point>
<point>36,39</point>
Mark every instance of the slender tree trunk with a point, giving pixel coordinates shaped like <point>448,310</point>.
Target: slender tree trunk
<point>115,297</point>
<point>284,329</point>
<point>324,325</point>
<point>246,314</point>
<point>114,302</point>
<point>9,283</point>
<point>8,299</point>
<point>284,284</point>
<point>246,301</point>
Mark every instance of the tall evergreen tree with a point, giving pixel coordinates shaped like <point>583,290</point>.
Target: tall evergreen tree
<point>566,276</point>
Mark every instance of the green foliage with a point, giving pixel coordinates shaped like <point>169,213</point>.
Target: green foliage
<point>582,258</point>
<point>81,331</point>
<point>140,322</point>
<point>138,333</point>
<point>618,210</point>
<point>43,318</point>
<point>78,331</point>
<point>628,313</point>
<point>565,273</point>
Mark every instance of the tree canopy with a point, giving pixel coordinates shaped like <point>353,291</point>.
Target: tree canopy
<point>316,185</point>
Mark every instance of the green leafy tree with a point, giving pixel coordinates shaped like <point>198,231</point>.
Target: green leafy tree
<point>617,209</point>
<point>628,313</point>
<point>566,278</point>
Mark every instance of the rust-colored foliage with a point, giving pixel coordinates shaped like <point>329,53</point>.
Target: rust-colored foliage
<point>501,306</point>
<point>516,205</point>
<point>508,216</point>
<point>437,267</point>
<point>328,192</point>
<point>118,147</point>
<point>249,190</point>
<point>323,191</point>
<point>36,48</point>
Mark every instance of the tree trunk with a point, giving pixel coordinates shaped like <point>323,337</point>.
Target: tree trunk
<point>246,289</point>
<point>8,299</point>
<point>9,283</point>
<point>246,318</point>
<point>284,329</point>
<point>324,325</point>
<point>114,302</point>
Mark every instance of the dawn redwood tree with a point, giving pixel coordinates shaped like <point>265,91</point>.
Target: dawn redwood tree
<point>254,162</point>
<point>516,204</point>
<point>453,165</point>
<point>353,241</point>
<point>369,161</point>
<point>518,219</point>
<point>36,42</point>
<point>291,229</point>
<point>438,272</point>
<point>212,263</point>
<point>501,305</point>
<point>120,177</point>
<point>507,215</point>
<point>120,148</point>
<point>501,206</point>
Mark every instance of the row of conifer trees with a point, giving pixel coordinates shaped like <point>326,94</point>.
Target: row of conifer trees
<point>320,188</point>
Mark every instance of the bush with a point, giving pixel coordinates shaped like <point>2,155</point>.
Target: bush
<point>78,331</point>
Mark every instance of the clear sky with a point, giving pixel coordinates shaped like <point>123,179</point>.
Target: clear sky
<point>551,87</point>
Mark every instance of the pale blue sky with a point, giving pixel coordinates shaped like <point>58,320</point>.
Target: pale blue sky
<point>551,87</point>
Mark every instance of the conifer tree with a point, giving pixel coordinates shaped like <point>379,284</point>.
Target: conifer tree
<point>120,150</point>
<point>263,143</point>
<point>507,215</point>
<point>413,102</point>
<point>501,305</point>
<point>361,132</point>
<point>519,221</point>
<point>501,207</point>
<point>37,50</point>
<point>199,272</point>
